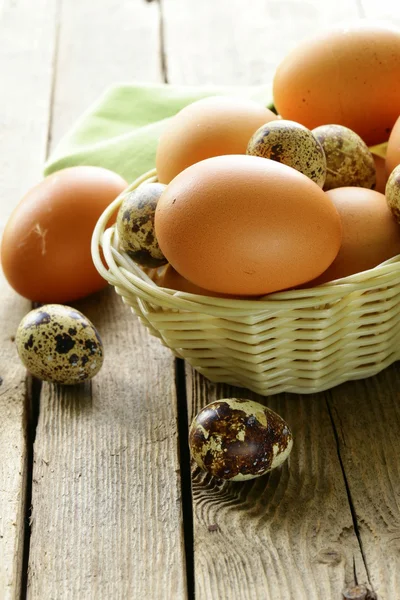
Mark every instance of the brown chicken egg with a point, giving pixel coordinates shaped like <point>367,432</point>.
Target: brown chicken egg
<point>349,75</point>
<point>393,147</point>
<point>348,159</point>
<point>171,279</point>
<point>293,145</point>
<point>213,126</point>
<point>135,225</point>
<point>370,232</point>
<point>59,344</point>
<point>45,251</point>
<point>393,193</point>
<point>247,226</point>
<point>237,439</point>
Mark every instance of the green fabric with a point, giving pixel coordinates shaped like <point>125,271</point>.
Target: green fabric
<point>120,132</point>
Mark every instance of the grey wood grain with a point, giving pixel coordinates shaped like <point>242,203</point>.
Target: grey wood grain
<point>286,535</point>
<point>26,56</point>
<point>107,519</point>
<point>366,415</point>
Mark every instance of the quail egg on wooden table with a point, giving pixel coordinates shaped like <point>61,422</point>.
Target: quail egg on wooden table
<point>293,145</point>
<point>59,344</point>
<point>135,225</point>
<point>237,439</point>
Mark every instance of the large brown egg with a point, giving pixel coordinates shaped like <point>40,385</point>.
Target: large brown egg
<point>349,75</point>
<point>246,225</point>
<point>393,148</point>
<point>171,279</point>
<point>212,126</point>
<point>370,232</point>
<point>45,251</point>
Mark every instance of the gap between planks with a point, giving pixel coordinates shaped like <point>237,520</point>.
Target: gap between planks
<point>163,546</point>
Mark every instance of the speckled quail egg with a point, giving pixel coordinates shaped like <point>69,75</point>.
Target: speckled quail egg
<point>59,344</point>
<point>237,439</point>
<point>292,144</point>
<point>135,225</point>
<point>392,193</point>
<point>348,159</point>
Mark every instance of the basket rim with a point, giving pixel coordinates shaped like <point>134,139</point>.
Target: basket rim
<point>124,274</point>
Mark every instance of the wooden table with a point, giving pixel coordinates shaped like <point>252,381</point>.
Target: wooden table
<point>96,496</point>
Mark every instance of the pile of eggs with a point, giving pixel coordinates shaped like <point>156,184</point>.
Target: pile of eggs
<point>249,202</point>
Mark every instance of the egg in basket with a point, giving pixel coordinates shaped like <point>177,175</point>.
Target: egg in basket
<point>259,249</point>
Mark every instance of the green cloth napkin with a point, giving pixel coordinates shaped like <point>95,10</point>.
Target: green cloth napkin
<point>120,132</point>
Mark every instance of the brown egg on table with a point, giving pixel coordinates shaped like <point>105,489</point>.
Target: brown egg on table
<point>393,193</point>
<point>45,251</point>
<point>349,75</point>
<point>135,225</point>
<point>380,171</point>
<point>393,147</point>
<point>349,161</point>
<point>244,225</point>
<point>213,126</point>
<point>291,144</point>
<point>370,232</point>
<point>237,439</point>
<point>59,344</point>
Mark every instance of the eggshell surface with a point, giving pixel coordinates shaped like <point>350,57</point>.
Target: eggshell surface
<point>393,147</point>
<point>393,193</point>
<point>213,126</point>
<point>171,279</point>
<point>349,75</point>
<point>45,251</point>
<point>370,232</point>
<point>135,225</point>
<point>238,439</point>
<point>59,344</point>
<point>293,145</point>
<point>245,225</point>
<point>348,159</point>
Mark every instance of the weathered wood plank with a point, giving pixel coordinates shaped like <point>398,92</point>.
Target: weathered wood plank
<point>289,535</point>
<point>26,54</point>
<point>106,494</point>
<point>236,43</point>
<point>102,43</point>
<point>367,420</point>
<point>107,519</point>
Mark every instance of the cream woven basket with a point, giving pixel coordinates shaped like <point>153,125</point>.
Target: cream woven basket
<point>299,341</point>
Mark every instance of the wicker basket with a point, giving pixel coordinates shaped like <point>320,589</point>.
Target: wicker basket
<point>300,341</point>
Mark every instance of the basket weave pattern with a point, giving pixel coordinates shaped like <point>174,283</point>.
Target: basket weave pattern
<point>300,341</point>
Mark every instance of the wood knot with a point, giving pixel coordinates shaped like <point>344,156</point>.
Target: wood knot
<point>358,592</point>
<point>328,556</point>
